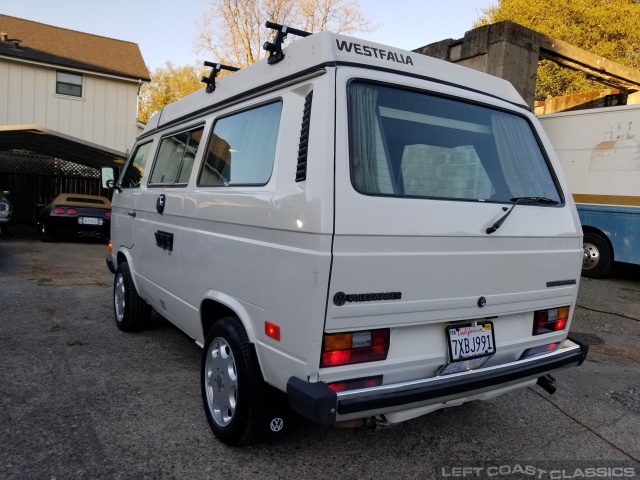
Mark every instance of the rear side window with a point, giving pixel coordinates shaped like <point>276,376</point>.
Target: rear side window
<point>132,174</point>
<point>410,144</point>
<point>242,148</point>
<point>175,158</point>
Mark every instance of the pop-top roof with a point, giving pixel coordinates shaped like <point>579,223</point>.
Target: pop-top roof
<point>329,49</point>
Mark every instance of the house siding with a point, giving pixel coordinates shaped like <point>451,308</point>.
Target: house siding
<point>105,115</point>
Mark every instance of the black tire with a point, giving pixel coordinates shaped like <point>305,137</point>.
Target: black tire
<point>238,403</point>
<point>598,256</point>
<point>131,312</point>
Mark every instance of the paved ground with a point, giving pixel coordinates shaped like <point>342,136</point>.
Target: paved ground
<point>80,399</point>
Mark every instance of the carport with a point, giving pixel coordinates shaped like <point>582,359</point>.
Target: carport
<point>37,163</point>
<point>49,143</point>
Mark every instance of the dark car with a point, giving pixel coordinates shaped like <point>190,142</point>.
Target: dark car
<point>75,214</point>
<point>5,209</point>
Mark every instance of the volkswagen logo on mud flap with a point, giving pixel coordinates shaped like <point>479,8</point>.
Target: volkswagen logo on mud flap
<point>276,424</point>
<point>340,299</point>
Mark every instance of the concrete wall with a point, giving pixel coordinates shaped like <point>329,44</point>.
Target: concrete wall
<point>504,49</point>
<point>106,114</point>
<point>511,51</point>
<point>582,101</point>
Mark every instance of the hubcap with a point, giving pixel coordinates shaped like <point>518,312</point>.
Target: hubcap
<point>118,297</point>
<point>591,256</point>
<point>221,382</point>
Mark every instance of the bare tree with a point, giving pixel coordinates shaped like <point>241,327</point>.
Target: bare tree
<point>232,31</point>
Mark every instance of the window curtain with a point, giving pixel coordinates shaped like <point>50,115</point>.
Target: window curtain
<point>364,101</point>
<point>525,170</point>
<point>252,162</point>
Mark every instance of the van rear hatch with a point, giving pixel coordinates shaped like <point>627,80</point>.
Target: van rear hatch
<point>427,177</point>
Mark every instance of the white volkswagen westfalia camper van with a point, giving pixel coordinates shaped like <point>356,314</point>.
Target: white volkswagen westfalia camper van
<point>355,231</point>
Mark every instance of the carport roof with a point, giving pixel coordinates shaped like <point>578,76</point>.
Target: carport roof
<point>42,141</point>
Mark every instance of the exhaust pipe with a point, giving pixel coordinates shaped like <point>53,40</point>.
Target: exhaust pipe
<point>379,421</point>
<point>548,383</point>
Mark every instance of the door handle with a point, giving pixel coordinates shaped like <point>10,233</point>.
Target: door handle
<point>160,203</point>
<point>131,213</point>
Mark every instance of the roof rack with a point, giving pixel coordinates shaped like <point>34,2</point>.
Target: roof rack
<point>275,47</point>
<point>211,79</point>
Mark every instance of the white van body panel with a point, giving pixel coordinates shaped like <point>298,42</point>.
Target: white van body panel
<point>281,251</point>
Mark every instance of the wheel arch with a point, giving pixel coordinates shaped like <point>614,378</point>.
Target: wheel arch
<point>216,305</point>
<point>124,255</point>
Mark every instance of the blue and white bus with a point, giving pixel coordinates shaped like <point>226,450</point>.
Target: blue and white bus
<point>599,150</point>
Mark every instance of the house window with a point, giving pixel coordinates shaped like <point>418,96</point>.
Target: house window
<point>69,84</point>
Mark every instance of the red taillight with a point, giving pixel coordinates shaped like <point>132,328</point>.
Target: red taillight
<point>58,211</point>
<point>354,347</point>
<point>353,384</point>
<point>272,330</point>
<point>108,213</point>
<point>72,211</point>
<point>552,320</point>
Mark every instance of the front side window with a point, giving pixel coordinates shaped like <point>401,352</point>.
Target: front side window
<point>69,84</point>
<point>133,171</point>
<point>409,144</point>
<point>242,148</point>
<point>175,158</point>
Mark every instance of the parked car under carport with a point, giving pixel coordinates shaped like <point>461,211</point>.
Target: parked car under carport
<point>76,214</point>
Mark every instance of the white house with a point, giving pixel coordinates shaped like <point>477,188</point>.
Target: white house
<point>65,96</point>
<point>67,82</point>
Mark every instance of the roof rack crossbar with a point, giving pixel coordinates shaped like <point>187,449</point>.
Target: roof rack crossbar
<point>211,79</point>
<point>275,48</point>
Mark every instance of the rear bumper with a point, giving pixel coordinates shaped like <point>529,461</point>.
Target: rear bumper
<point>318,403</point>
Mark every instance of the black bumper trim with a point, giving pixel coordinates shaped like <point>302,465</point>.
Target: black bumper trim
<point>314,401</point>
<point>318,403</point>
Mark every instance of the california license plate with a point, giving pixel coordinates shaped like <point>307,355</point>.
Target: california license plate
<point>90,221</point>
<point>471,341</point>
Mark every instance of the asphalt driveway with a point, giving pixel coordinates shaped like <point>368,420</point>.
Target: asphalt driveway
<point>80,399</point>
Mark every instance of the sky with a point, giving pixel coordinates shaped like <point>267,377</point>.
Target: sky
<point>164,29</point>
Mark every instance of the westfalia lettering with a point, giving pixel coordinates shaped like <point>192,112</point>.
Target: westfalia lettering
<point>368,51</point>
<point>370,297</point>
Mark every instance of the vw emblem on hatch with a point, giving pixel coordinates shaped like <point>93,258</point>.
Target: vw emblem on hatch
<point>276,424</point>
<point>340,299</point>
<point>482,302</point>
